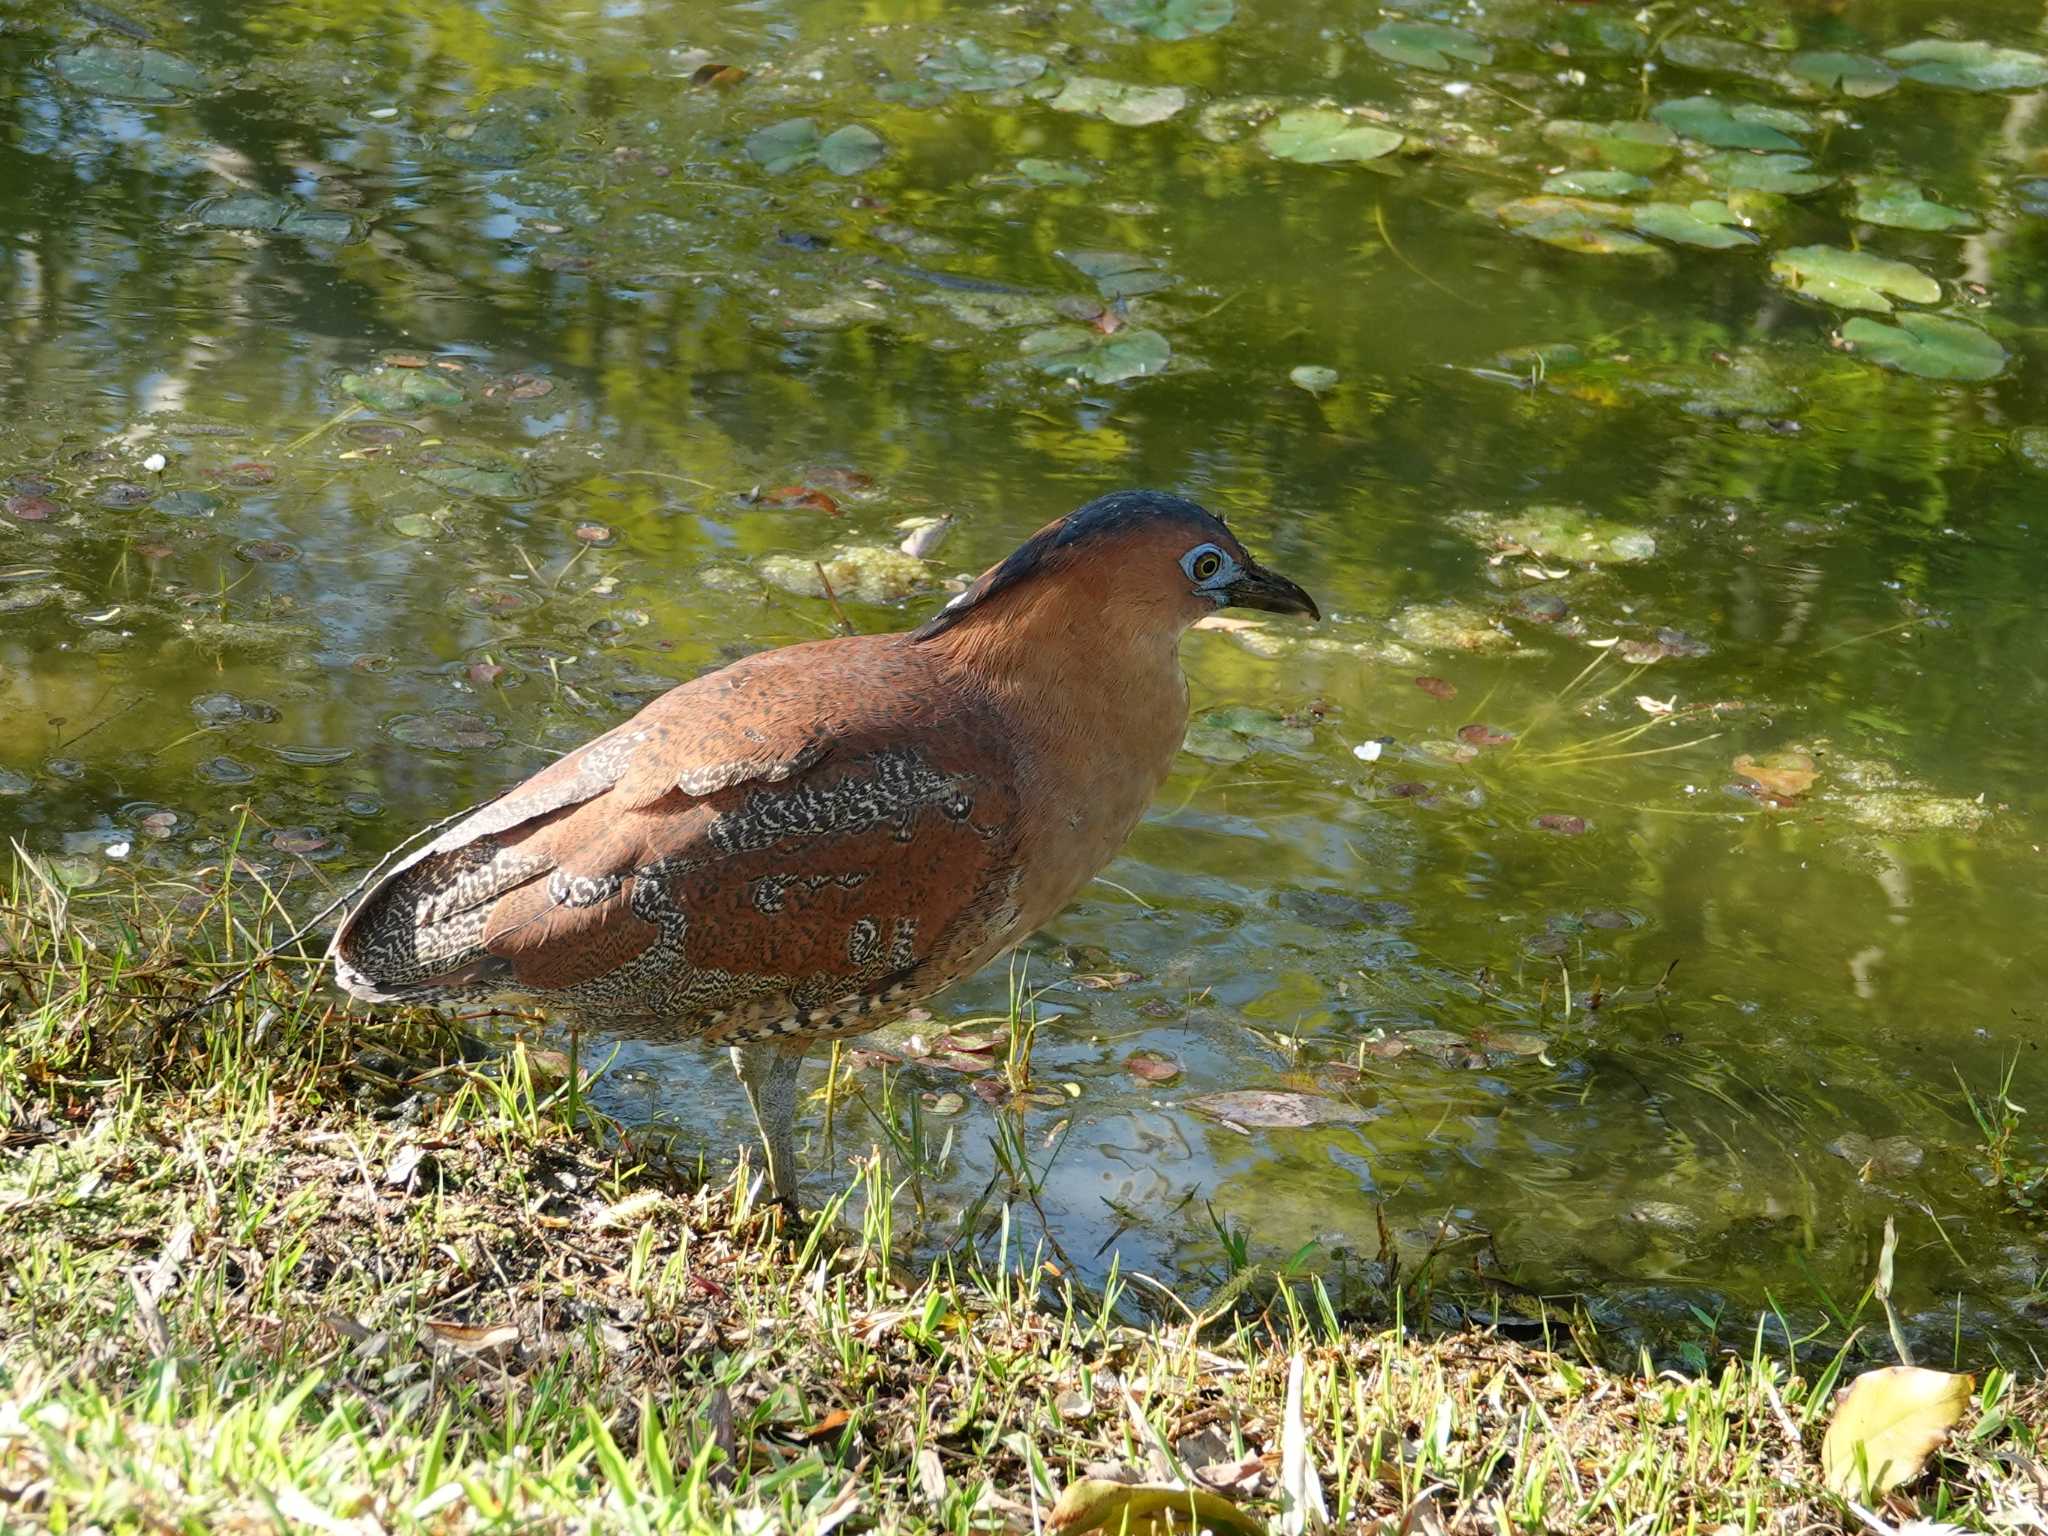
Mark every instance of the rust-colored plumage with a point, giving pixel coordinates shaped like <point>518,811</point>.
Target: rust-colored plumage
<point>803,844</point>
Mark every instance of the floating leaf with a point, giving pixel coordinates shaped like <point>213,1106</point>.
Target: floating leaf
<point>1116,102</point>
<point>1265,1108</point>
<point>1627,145</point>
<point>475,472</point>
<point>1897,202</point>
<point>1852,279</point>
<point>1437,688</point>
<point>783,147</point>
<point>1787,775</point>
<point>1169,20</point>
<point>1969,66</point>
<point>402,389</point>
<point>1885,1426</point>
<point>1594,183</point>
<point>128,74</point>
<point>1479,734</point>
<point>1793,175</point>
<point>966,65</point>
<point>1313,377</point>
<point>1052,173</point>
<point>1721,54</point>
<point>1088,354</point>
<point>1928,346</point>
<point>1325,136</point>
<point>1119,274</point>
<point>1427,45</point>
<point>1850,73</point>
<point>1574,224</point>
<point>1711,225</point>
<point>850,150</point>
<point>1742,125</point>
<point>1152,1066</point>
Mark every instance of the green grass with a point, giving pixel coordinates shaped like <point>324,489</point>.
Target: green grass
<point>280,1266</point>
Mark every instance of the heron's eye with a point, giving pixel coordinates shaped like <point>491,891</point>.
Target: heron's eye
<point>1205,565</point>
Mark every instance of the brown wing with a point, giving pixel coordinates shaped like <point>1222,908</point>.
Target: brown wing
<point>783,845</point>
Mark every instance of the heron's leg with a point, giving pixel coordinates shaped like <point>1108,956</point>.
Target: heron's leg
<point>767,1070</point>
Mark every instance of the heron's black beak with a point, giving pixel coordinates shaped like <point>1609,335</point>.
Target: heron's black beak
<point>1259,588</point>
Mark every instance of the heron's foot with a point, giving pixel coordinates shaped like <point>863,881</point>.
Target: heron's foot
<point>768,1072</point>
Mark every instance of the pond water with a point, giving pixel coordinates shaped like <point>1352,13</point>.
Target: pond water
<point>400,391</point>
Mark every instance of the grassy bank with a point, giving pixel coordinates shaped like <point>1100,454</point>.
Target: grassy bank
<point>278,1266</point>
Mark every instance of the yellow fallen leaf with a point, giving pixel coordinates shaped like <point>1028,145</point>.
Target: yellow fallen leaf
<point>1895,1417</point>
<point>1787,775</point>
<point>1095,1503</point>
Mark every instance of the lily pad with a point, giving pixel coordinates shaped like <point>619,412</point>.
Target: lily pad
<point>1929,347</point>
<point>1260,725</point>
<point>1325,136</point>
<point>1740,125</point>
<point>1087,353</point>
<point>1705,223</point>
<point>402,389</point>
<point>967,65</point>
<point>1117,102</point>
<point>1852,279</point>
<point>1792,175</point>
<point>1899,203</point>
<point>1574,224</point>
<point>128,74</point>
<point>1722,55</point>
<point>1272,1109</point>
<point>475,472</point>
<point>1052,173</point>
<point>1969,66</point>
<point>783,147</point>
<point>850,150</point>
<point>1595,183</point>
<point>1427,45</point>
<point>1169,20</point>
<point>1853,74</point>
<point>1626,146</point>
<point>1119,274</point>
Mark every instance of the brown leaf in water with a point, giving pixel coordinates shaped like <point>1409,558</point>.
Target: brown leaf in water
<point>801,496</point>
<point>1152,1066</point>
<point>1478,734</point>
<point>1559,822</point>
<point>1787,775</point>
<point>1437,688</point>
<point>721,75</point>
<point>405,360</point>
<point>485,673</point>
<point>31,509</point>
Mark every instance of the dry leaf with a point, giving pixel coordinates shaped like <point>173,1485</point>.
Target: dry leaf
<point>1093,1504</point>
<point>1897,1417</point>
<point>1650,706</point>
<point>473,1339</point>
<point>1787,775</point>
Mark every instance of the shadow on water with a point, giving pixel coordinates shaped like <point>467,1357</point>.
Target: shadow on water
<point>396,395</point>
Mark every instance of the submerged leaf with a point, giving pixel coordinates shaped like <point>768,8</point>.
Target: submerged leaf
<point>1596,183</point>
<point>1743,125</point>
<point>1116,102</point>
<point>1885,1426</point>
<point>1267,1108</point>
<point>1324,136</point>
<point>1427,45</point>
<point>128,74</point>
<point>1928,346</point>
<point>1313,377</point>
<point>1574,224</point>
<point>1787,775</point>
<point>402,389</point>
<point>1169,20</point>
<point>1119,274</point>
<point>1969,66</point>
<point>1852,279</point>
